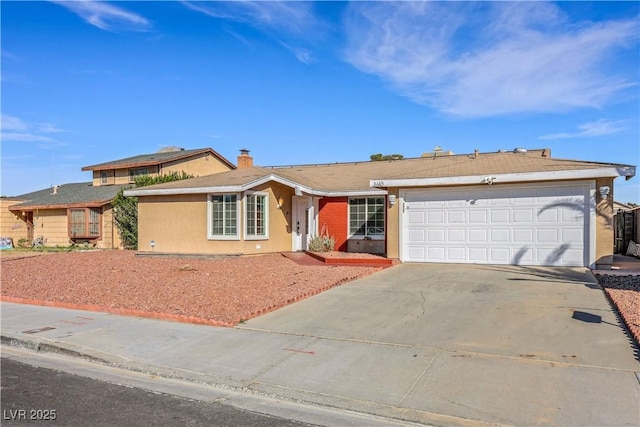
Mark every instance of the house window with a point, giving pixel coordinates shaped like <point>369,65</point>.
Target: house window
<point>256,216</point>
<point>104,179</point>
<point>84,223</point>
<point>366,216</point>
<point>223,216</point>
<point>137,172</point>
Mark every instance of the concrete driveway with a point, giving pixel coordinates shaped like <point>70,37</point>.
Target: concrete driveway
<point>498,344</point>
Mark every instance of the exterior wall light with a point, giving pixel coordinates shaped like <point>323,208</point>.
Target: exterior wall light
<point>392,200</point>
<point>604,192</point>
<point>152,244</point>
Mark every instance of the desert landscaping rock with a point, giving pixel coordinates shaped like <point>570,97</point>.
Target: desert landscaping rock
<point>220,290</point>
<point>624,291</point>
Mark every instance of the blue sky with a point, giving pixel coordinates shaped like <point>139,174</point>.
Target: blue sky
<point>302,82</point>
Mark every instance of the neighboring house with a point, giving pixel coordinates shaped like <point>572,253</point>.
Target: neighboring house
<point>521,207</point>
<point>77,212</point>
<point>82,212</point>
<point>197,162</point>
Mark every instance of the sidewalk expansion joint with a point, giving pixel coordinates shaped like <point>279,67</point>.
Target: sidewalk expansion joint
<point>435,348</point>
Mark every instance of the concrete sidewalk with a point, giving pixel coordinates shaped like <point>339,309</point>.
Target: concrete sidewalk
<point>396,381</point>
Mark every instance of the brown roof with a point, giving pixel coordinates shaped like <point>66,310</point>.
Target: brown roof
<point>155,159</point>
<point>357,176</point>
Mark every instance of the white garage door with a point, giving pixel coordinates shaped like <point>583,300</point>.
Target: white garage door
<point>520,225</point>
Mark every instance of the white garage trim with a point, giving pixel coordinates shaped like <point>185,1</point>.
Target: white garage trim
<point>584,187</point>
<point>579,174</point>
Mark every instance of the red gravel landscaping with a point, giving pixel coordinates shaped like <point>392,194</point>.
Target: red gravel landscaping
<point>624,292</point>
<point>220,291</point>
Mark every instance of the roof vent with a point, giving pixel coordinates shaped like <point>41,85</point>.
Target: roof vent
<point>520,151</point>
<point>170,149</point>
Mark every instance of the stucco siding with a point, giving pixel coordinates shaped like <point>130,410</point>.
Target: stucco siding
<point>178,224</point>
<point>393,225</point>
<point>604,225</point>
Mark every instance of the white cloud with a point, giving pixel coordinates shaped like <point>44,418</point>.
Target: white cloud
<point>8,122</point>
<point>287,19</point>
<point>488,58</point>
<point>600,127</point>
<point>303,55</point>
<point>14,129</point>
<point>106,16</point>
<point>285,16</point>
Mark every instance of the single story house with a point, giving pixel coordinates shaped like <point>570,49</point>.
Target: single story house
<point>82,212</point>
<point>77,212</point>
<point>517,207</point>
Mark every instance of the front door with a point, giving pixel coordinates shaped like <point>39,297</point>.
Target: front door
<point>300,223</point>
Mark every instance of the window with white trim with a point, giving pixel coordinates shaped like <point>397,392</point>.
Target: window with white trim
<point>366,217</point>
<point>256,216</point>
<point>224,216</point>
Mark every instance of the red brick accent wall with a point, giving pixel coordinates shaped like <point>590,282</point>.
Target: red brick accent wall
<point>333,216</point>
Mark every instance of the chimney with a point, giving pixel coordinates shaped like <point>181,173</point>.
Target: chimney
<point>546,152</point>
<point>244,159</point>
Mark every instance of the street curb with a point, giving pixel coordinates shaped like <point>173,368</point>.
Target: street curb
<point>120,311</point>
<point>40,345</point>
<point>394,414</point>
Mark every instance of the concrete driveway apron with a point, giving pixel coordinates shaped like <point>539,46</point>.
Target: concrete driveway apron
<point>495,344</point>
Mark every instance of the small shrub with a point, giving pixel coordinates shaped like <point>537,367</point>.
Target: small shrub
<point>322,244</point>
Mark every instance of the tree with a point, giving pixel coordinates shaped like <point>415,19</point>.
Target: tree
<point>125,209</point>
<point>380,157</point>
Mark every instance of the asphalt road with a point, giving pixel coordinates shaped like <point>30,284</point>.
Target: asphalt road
<point>46,397</point>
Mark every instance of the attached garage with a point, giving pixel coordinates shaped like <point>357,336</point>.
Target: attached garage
<point>550,224</point>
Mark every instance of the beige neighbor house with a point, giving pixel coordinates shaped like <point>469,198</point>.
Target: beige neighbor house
<point>520,207</point>
<point>82,212</point>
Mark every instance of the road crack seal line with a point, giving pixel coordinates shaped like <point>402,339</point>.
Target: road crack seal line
<point>288,354</point>
<point>418,379</point>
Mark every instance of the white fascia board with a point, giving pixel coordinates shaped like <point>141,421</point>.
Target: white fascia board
<point>612,172</point>
<point>248,186</point>
<point>324,193</point>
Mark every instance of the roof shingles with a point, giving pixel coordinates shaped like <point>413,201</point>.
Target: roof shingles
<point>358,175</point>
<point>67,195</point>
<point>155,159</point>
